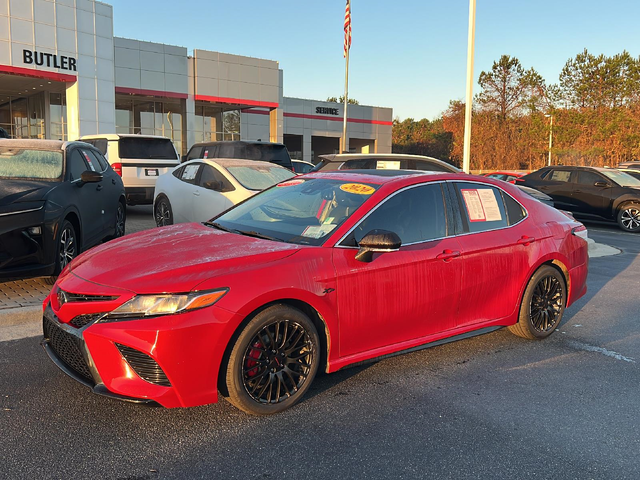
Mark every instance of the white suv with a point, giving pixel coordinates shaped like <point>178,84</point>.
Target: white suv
<point>138,159</point>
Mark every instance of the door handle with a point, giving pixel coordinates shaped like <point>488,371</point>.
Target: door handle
<point>447,255</point>
<point>196,193</point>
<point>577,191</point>
<point>524,240</point>
<point>113,181</point>
<point>99,187</point>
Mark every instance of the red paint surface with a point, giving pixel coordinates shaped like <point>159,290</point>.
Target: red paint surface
<point>236,101</point>
<point>423,293</point>
<point>29,72</point>
<point>150,93</point>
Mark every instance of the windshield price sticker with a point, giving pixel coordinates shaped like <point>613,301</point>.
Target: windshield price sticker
<point>387,165</point>
<point>357,188</point>
<point>482,205</point>
<point>290,183</point>
<point>318,231</point>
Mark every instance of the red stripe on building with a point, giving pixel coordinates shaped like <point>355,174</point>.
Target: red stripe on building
<point>255,111</point>
<point>150,93</point>
<point>335,119</point>
<point>236,101</point>
<point>29,72</point>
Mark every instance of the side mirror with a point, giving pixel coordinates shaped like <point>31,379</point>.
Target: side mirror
<point>601,184</point>
<point>377,241</point>
<point>89,176</point>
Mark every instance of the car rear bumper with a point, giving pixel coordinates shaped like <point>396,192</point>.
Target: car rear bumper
<point>139,195</point>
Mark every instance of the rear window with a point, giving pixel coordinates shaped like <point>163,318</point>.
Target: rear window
<point>259,177</point>
<point>264,152</point>
<point>147,148</point>
<point>33,164</point>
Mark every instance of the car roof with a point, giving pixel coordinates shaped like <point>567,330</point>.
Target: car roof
<point>117,136</point>
<point>345,157</point>
<point>381,177</point>
<point>236,142</point>
<point>38,144</point>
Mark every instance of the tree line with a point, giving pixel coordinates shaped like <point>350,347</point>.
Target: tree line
<point>595,107</point>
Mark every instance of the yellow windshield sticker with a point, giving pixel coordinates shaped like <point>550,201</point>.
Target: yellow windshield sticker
<point>359,188</point>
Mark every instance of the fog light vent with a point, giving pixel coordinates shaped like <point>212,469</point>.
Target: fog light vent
<point>145,366</point>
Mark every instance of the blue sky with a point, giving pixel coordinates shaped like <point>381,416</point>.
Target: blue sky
<point>406,54</point>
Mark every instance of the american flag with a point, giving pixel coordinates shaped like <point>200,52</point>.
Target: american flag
<point>347,28</point>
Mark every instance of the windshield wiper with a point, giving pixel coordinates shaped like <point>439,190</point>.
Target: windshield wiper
<point>220,227</point>
<point>253,233</point>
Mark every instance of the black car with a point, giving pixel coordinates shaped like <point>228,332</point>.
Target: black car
<point>56,200</point>
<point>242,149</point>
<point>589,192</point>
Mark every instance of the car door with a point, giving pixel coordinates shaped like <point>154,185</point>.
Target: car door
<point>182,196</point>
<point>498,248</point>
<point>591,193</point>
<point>558,186</point>
<point>88,198</point>
<point>403,295</point>
<point>109,186</point>
<point>211,194</point>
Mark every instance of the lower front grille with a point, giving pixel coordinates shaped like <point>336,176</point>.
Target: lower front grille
<point>82,320</point>
<point>67,347</point>
<point>145,366</point>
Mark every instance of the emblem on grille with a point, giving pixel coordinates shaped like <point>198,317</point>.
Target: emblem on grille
<point>62,297</point>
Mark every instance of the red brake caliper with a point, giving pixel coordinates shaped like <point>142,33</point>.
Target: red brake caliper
<point>254,353</point>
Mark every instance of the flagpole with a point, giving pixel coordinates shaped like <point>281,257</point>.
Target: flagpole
<point>346,102</point>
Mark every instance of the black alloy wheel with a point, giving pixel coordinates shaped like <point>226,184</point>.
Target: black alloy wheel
<point>121,218</point>
<point>629,217</point>
<point>163,213</point>
<point>67,248</point>
<point>542,305</point>
<point>273,362</point>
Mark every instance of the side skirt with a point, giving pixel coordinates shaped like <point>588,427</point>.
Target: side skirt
<point>462,336</point>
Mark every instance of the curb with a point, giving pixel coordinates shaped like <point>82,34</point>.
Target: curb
<point>20,315</point>
<point>601,250</point>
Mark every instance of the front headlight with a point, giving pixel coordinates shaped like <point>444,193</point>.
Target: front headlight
<point>142,306</point>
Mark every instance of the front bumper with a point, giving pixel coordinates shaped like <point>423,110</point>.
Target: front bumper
<point>185,349</point>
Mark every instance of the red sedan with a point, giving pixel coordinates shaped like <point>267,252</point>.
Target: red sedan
<point>507,176</point>
<point>319,272</point>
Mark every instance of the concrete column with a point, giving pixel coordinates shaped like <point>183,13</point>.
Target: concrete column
<point>276,125</point>
<point>73,111</point>
<point>188,125</point>
<point>306,145</point>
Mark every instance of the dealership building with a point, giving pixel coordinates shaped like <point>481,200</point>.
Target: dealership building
<point>63,75</point>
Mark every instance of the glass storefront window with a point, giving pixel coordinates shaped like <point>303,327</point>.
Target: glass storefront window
<point>58,116</point>
<point>213,123</point>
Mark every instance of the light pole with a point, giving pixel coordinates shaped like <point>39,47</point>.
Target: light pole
<point>466,154</point>
<point>550,136</point>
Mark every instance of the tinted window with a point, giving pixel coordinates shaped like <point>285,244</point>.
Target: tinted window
<point>195,152</point>
<point>482,207</point>
<point>515,212</point>
<point>99,143</point>
<point>588,178</point>
<point>147,148</point>
<point>403,164</point>
<point>415,215</point>
<point>301,167</point>
<point>559,176</point>
<point>190,173</point>
<point>178,172</point>
<point>76,165</point>
<point>212,179</point>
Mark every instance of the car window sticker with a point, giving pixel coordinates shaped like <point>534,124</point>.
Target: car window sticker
<point>318,231</point>
<point>474,205</point>
<point>358,188</point>
<point>206,153</point>
<point>387,165</point>
<point>190,172</point>
<point>490,204</point>
<point>86,156</point>
<point>482,205</point>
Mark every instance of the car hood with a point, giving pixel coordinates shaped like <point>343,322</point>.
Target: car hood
<point>14,191</point>
<point>175,259</point>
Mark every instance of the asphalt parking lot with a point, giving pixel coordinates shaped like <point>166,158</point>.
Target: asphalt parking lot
<point>495,406</point>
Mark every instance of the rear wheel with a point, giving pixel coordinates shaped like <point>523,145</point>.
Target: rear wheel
<point>162,212</point>
<point>273,362</point>
<point>121,219</point>
<point>629,217</point>
<point>542,304</point>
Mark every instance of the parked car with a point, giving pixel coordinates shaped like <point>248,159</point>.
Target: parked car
<point>263,151</point>
<point>138,159</point>
<point>317,273</point>
<point>56,199</point>
<point>633,164</point>
<point>301,167</point>
<point>635,173</point>
<point>590,192</point>
<point>381,161</point>
<point>201,189</point>
<point>506,176</point>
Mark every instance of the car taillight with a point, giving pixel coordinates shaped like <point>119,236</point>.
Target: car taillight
<point>117,167</point>
<point>581,232</point>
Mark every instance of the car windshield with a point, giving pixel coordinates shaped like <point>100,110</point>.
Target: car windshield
<point>259,177</point>
<point>303,211</point>
<point>30,164</point>
<point>621,178</point>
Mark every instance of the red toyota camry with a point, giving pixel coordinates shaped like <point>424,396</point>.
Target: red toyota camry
<point>319,272</point>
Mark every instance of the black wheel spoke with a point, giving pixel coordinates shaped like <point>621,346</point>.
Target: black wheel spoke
<point>546,304</point>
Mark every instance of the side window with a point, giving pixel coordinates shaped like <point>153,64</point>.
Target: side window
<point>559,176</point>
<point>190,173</point>
<point>76,165</point>
<point>96,160</point>
<point>212,179</point>
<point>515,212</point>
<point>195,152</point>
<point>482,207</point>
<point>415,215</point>
<point>588,178</point>
<point>178,172</point>
<point>99,143</point>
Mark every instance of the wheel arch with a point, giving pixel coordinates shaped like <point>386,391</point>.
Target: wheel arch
<point>623,200</point>
<point>315,316</point>
<point>73,217</point>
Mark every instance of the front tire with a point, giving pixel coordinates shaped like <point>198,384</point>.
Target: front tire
<point>542,305</point>
<point>67,248</point>
<point>273,362</point>
<point>629,217</point>
<point>162,212</point>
